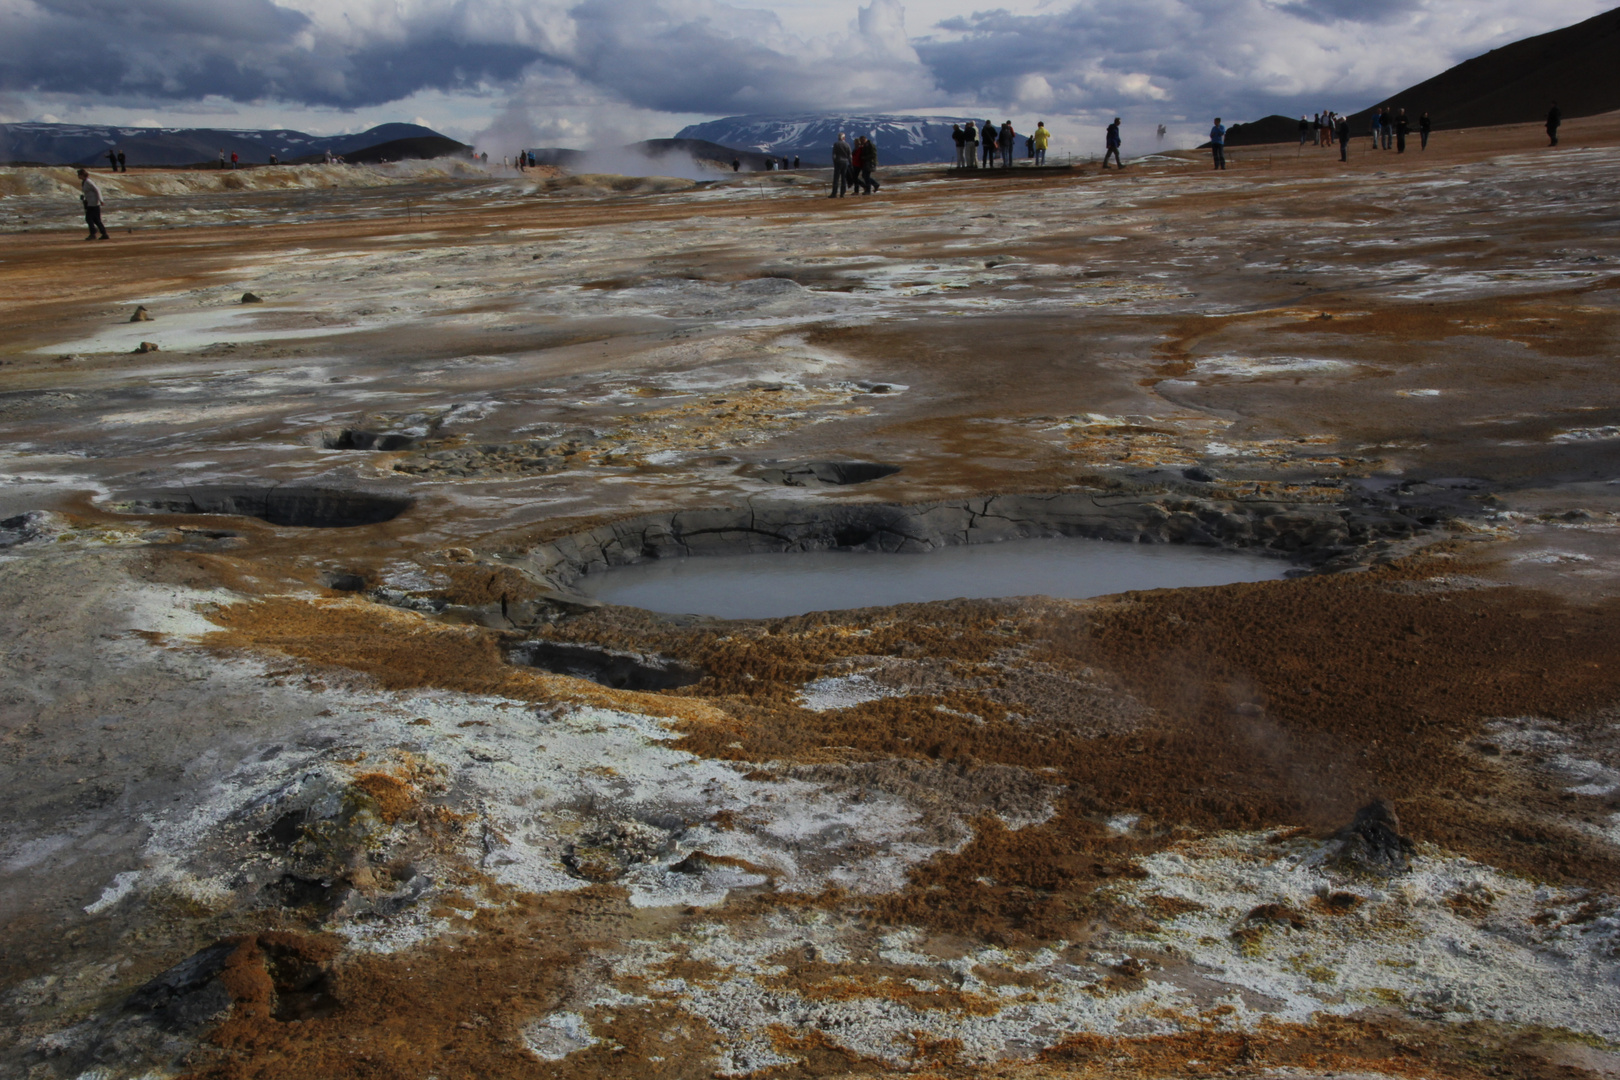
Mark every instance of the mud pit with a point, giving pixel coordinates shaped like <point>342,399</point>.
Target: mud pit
<point>391,798</point>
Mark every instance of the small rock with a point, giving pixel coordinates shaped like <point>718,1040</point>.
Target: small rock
<point>252,298</point>
<point>141,314</point>
<point>145,347</point>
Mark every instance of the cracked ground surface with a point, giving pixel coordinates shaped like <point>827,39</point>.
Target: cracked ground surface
<point>283,802</point>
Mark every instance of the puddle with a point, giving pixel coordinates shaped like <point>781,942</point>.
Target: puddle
<point>775,585</point>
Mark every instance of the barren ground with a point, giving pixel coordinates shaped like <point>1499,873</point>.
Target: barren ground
<point>281,802</point>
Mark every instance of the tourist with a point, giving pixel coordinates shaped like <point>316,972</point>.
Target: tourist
<point>1304,130</point>
<point>1343,131</point>
<point>1217,143</point>
<point>795,161</point>
<point>222,160</point>
<point>735,164</point>
<point>112,161</point>
<point>90,195</point>
<point>1163,131</point>
<point>1403,127</point>
<point>234,159</point>
<point>1111,141</point>
<point>123,165</point>
<point>970,144</point>
<point>1554,118</point>
<point>987,140</point>
<point>960,140</point>
<point>1327,127</point>
<point>840,155</point>
<point>1387,127</point>
<point>1042,138</point>
<point>274,160</point>
<point>855,152</point>
<point>1376,121</point>
<point>869,162</point>
<point>1007,139</point>
<point>1029,147</point>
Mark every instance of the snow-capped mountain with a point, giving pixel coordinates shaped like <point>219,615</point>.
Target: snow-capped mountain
<point>87,144</point>
<point>901,140</point>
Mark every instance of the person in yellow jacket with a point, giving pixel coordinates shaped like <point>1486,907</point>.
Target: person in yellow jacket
<point>1042,137</point>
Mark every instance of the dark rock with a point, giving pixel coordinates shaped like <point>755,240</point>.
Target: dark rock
<point>145,347</point>
<point>305,507</point>
<point>251,298</point>
<point>1373,842</point>
<point>188,996</point>
<point>1199,474</point>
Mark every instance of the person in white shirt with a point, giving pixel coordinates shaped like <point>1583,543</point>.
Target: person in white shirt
<point>90,195</point>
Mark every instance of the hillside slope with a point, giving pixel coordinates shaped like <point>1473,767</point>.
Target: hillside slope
<point>1578,66</point>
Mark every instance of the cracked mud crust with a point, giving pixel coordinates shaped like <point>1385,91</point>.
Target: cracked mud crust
<point>317,765</point>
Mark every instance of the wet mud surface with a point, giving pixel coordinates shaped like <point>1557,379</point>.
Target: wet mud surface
<point>318,765</point>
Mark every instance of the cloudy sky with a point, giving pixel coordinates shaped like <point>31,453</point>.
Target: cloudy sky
<point>583,72</point>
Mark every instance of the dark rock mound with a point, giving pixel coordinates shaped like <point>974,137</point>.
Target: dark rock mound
<point>827,472</point>
<point>303,507</point>
<point>621,671</point>
<point>355,439</point>
<point>1373,842</point>
<point>190,995</point>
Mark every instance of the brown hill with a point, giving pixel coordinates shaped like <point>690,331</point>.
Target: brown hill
<point>1578,67</point>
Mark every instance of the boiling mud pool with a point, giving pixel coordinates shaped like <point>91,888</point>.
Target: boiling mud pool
<point>771,585</point>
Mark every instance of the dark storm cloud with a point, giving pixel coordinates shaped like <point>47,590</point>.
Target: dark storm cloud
<point>1359,11</point>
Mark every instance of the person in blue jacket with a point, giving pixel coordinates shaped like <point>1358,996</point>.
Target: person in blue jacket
<point>1217,143</point>
<point>1113,145</point>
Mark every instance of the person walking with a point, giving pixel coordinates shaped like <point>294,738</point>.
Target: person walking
<point>1554,119</point>
<point>841,156</point>
<point>1423,131</point>
<point>1111,145</point>
<point>90,195</point>
<point>970,143</point>
<point>1007,139</point>
<point>1042,138</point>
<point>1217,143</point>
<point>1403,128</point>
<point>869,162</point>
<point>1388,127</point>
<point>1343,131</point>
<point>987,142</point>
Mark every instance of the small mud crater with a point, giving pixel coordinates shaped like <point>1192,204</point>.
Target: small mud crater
<point>841,473</point>
<point>298,507</point>
<point>621,671</point>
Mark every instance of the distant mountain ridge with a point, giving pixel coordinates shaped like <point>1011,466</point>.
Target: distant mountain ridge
<point>901,140</point>
<point>87,144</point>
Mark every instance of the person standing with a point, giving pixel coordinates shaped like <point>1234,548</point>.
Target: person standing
<point>795,161</point>
<point>970,144</point>
<point>1042,137</point>
<point>1423,131</point>
<point>1389,128</point>
<point>1554,119</point>
<point>1304,130</point>
<point>1217,143</point>
<point>840,154</point>
<point>1029,148</point>
<point>1343,131</point>
<point>1007,139</point>
<point>112,161</point>
<point>855,154</point>
<point>1111,142</point>
<point>987,140</point>
<point>123,165</point>
<point>956,137</point>
<point>90,195</point>
<point>1403,127</point>
<point>1375,123</point>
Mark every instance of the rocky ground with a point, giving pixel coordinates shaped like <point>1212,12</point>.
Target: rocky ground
<point>318,765</point>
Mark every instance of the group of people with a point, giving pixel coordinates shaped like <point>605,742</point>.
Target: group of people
<point>115,161</point>
<point>997,143</point>
<point>853,166</point>
<point>1392,126</point>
